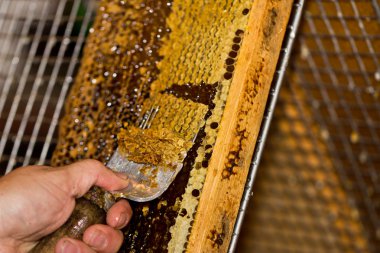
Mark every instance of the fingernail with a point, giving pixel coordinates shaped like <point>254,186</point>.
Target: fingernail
<point>98,240</point>
<point>122,175</point>
<point>68,247</point>
<point>121,220</point>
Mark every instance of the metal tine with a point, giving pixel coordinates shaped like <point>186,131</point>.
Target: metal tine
<point>195,137</point>
<point>148,117</point>
<point>153,114</point>
<point>143,119</point>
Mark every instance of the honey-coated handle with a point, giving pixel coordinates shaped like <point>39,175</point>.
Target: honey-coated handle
<point>84,215</point>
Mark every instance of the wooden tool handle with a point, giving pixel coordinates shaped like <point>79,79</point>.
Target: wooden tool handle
<point>84,215</point>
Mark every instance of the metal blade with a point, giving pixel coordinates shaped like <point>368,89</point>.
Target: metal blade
<point>147,182</point>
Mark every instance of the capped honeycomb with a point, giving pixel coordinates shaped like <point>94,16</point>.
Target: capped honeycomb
<point>179,55</point>
<point>186,117</point>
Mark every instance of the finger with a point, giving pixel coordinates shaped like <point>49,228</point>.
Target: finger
<point>119,215</point>
<point>103,238</point>
<point>86,173</point>
<point>68,245</point>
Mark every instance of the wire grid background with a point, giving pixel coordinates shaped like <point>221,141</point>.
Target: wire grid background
<point>40,46</point>
<point>317,189</point>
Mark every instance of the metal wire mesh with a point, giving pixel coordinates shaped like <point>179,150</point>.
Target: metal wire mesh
<point>318,185</point>
<point>40,44</point>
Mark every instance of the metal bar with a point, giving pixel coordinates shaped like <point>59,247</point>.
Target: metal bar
<point>376,6</point>
<point>3,9</point>
<point>317,34</point>
<point>7,44</point>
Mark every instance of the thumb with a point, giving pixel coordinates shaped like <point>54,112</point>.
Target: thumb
<point>87,173</point>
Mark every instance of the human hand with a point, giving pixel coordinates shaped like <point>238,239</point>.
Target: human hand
<point>37,200</point>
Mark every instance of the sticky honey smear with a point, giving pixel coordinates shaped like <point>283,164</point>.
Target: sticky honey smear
<point>180,54</point>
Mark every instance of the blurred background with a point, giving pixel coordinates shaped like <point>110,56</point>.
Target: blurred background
<point>317,187</point>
